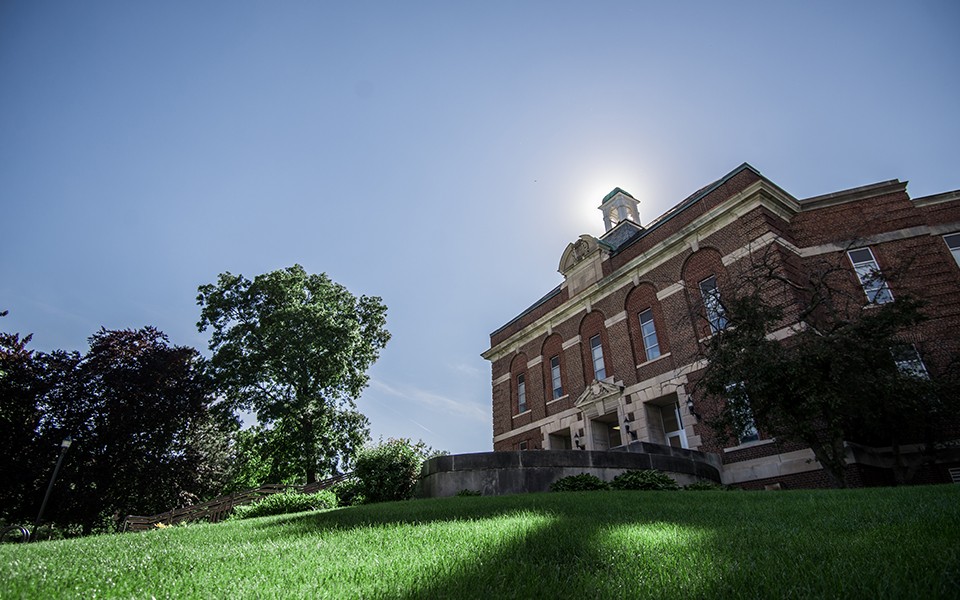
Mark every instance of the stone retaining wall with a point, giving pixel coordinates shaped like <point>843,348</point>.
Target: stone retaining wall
<point>497,473</point>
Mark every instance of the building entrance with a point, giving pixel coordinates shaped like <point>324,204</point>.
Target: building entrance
<point>561,440</point>
<point>665,422</point>
<point>606,432</point>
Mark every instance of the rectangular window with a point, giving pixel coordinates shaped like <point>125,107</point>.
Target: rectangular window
<point>712,304</point>
<point>521,394</point>
<point>909,362</point>
<point>555,377</point>
<point>522,446</point>
<point>874,285</point>
<point>748,433</point>
<point>649,332</point>
<point>953,242</point>
<point>596,350</point>
<point>742,414</point>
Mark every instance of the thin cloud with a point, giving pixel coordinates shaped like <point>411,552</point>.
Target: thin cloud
<point>427,398</point>
<point>465,369</point>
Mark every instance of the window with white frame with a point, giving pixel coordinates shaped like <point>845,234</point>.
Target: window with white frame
<point>909,362</point>
<point>649,333</point>
<point>874,285</point>
<point>953,242</point>
<point>742,414</point>
<point>521,393</point>
<point>712,304</point>
<point>596,351</point>
<point>555,377</point>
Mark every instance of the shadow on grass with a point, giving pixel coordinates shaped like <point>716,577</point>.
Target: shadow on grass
<point>635,544</point>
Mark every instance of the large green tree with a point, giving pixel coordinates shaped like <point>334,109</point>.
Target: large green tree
<point>148,433</point>
<point>21,391</point>
<point>295,348</point>
<point>804,359</point>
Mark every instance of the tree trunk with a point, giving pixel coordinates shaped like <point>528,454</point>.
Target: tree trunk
<point>309,449</point>
<point>832,458</point>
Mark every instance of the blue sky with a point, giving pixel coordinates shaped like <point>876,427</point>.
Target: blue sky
<point>438,154</point>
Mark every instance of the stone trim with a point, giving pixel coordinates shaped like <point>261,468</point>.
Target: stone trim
<point>571,342</point>
<point>863,192</point>
<point>940,230</point>
<point>670,290</point>
<point>502,379</point>
<point>752,444</point>
<point>615,319</point>
<point>534,425</point>
<point>662,356</point>
<point>881,238</point>
<point>778,465</point>
<point>536,361</point>
<point>937,198</point>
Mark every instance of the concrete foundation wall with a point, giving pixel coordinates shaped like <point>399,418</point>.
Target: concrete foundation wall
<point>498,473</point>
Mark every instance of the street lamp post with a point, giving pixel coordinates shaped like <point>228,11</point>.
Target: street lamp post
<point>64,446</point>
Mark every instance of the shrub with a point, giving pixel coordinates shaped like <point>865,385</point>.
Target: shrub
<point>579,483</point>
<point>286,502</point>
<point>390,470</point>
<point>348,493</point>
<point>644,480</point>
<point>466,492</point>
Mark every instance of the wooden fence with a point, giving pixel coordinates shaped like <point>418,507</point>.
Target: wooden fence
<point>220,508</point>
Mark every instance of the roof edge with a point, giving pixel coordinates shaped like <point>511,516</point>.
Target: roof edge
<point>937,198</point>
<point>862,192</point>
<point>529,309</point>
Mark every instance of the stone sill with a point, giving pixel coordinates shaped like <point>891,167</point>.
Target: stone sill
<point>526,412</point>
<point>563,397</point>
<point>643,364</point>
<point>753,444</point>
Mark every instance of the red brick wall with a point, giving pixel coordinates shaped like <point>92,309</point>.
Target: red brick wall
<point>855,220</point>
<point>641,298</point>
<point>699,266</point>
<point>553,346</point>
<point>591,326</point>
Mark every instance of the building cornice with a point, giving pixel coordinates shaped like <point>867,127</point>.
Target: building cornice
<point>761,193</point>
<point>864,192</point>
<point>937,198</point>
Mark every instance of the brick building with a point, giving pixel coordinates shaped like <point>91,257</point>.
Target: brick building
<point>613,353</point>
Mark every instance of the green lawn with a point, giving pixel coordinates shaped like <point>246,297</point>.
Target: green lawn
<point>876,543</point>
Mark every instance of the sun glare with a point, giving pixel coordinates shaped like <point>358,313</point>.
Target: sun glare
<point>594,186</point>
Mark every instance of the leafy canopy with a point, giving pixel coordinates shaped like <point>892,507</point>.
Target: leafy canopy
<point>148,434</point>
<point>295,348</point>
<point>834,379</point>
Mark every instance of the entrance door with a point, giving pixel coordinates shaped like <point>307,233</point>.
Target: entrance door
<point>606,432</point>
<point>560,440</point>
<point>673,426</point>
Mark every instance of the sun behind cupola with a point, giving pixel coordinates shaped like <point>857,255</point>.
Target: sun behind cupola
<point>619,206</point>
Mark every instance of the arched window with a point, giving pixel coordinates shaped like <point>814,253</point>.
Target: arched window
<point>593,340</point>
<point>518,385</point>
<point>553,367</point>
<point>647,330</point>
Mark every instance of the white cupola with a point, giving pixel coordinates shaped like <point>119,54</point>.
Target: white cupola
<point>619,206</point>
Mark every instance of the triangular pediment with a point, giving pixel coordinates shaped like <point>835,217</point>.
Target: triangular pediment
<point>597,392</point>
<point>600,398</point>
